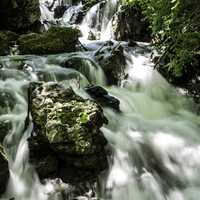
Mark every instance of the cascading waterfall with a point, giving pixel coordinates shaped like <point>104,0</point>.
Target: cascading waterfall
<point>155,138</point>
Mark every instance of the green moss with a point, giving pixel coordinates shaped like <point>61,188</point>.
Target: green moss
<point>84,118</point>
<point>55,40</point>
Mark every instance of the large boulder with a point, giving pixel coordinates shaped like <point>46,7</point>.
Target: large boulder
<point>129,24</point>
<point>55,40</point>
<point>67,134</point>
<point>19,15</point>
<point>4,171</point>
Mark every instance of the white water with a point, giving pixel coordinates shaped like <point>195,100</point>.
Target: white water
<point>155,140</point>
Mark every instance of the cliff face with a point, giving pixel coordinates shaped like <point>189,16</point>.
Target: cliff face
<point>19,15</point>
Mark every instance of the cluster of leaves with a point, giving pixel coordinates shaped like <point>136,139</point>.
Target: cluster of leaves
<point>175,28</point>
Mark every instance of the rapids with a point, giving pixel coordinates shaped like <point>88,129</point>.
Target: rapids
<point>155,138</point>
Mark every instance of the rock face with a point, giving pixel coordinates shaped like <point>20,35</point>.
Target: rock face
<point>68,143</point>
<point>112,61</point>
<point>55,40</point>
<point>19,15</point>
<point>4,171</point>
<point>130,25</point>
<point>7,38</point>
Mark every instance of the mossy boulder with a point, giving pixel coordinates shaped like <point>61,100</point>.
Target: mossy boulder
<point>7,39</point>
<point>69,126</point>
<point>4,170</point>
<point>19,15</point>
<point>55,40</point>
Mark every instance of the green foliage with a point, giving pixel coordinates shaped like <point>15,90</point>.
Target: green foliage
<point>176,31</point>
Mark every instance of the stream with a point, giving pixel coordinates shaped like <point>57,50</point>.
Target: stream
<point>155,138</point>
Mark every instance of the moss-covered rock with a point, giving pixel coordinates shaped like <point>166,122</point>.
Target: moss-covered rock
<point>19,15</point>
<point>7,38</point>
<point>69,126</point>
<point>55,40</point>
<point>4,170</point>
<point>65,119</point>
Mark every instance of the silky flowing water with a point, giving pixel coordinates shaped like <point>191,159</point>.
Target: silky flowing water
<point>155,138</point>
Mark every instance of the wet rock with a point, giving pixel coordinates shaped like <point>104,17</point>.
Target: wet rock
<point>102,96</point>
<point>130,25</point>
<point>59,11</point>
<point>67,127</point>
<point>111,58</point>
<point>4,171</point>
<point>55,40</point>
<point>5,128</point>
<point>20,15</point>
<point>7,39</point>
<point>87,4</point>
<point>7,101</point>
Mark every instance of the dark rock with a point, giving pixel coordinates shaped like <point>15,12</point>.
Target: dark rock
<point>111,59</point>
<point>67,134</point>
<point>20,15</point>
<point>7,39</point>
<point>43,157</point>
<point>59,11</point>
<point>7,101</point>
<point>55,40</point>
<point>130,25</point>
<point>102,96</point>
<point>5,128</point>
<point>4,171</point>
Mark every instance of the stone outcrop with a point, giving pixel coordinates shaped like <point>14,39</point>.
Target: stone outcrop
<point>55,40</point>
<point>67,142</point>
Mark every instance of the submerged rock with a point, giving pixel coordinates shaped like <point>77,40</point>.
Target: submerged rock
<point>7,39</point>
<point>55,40</point>
<point>4,171</point>
<point>20,15</point>
<point>67,133</point>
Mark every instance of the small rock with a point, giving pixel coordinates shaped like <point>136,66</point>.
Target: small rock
<point>102,96</point>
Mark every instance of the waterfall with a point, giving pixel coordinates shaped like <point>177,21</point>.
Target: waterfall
<point>154,140</point>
